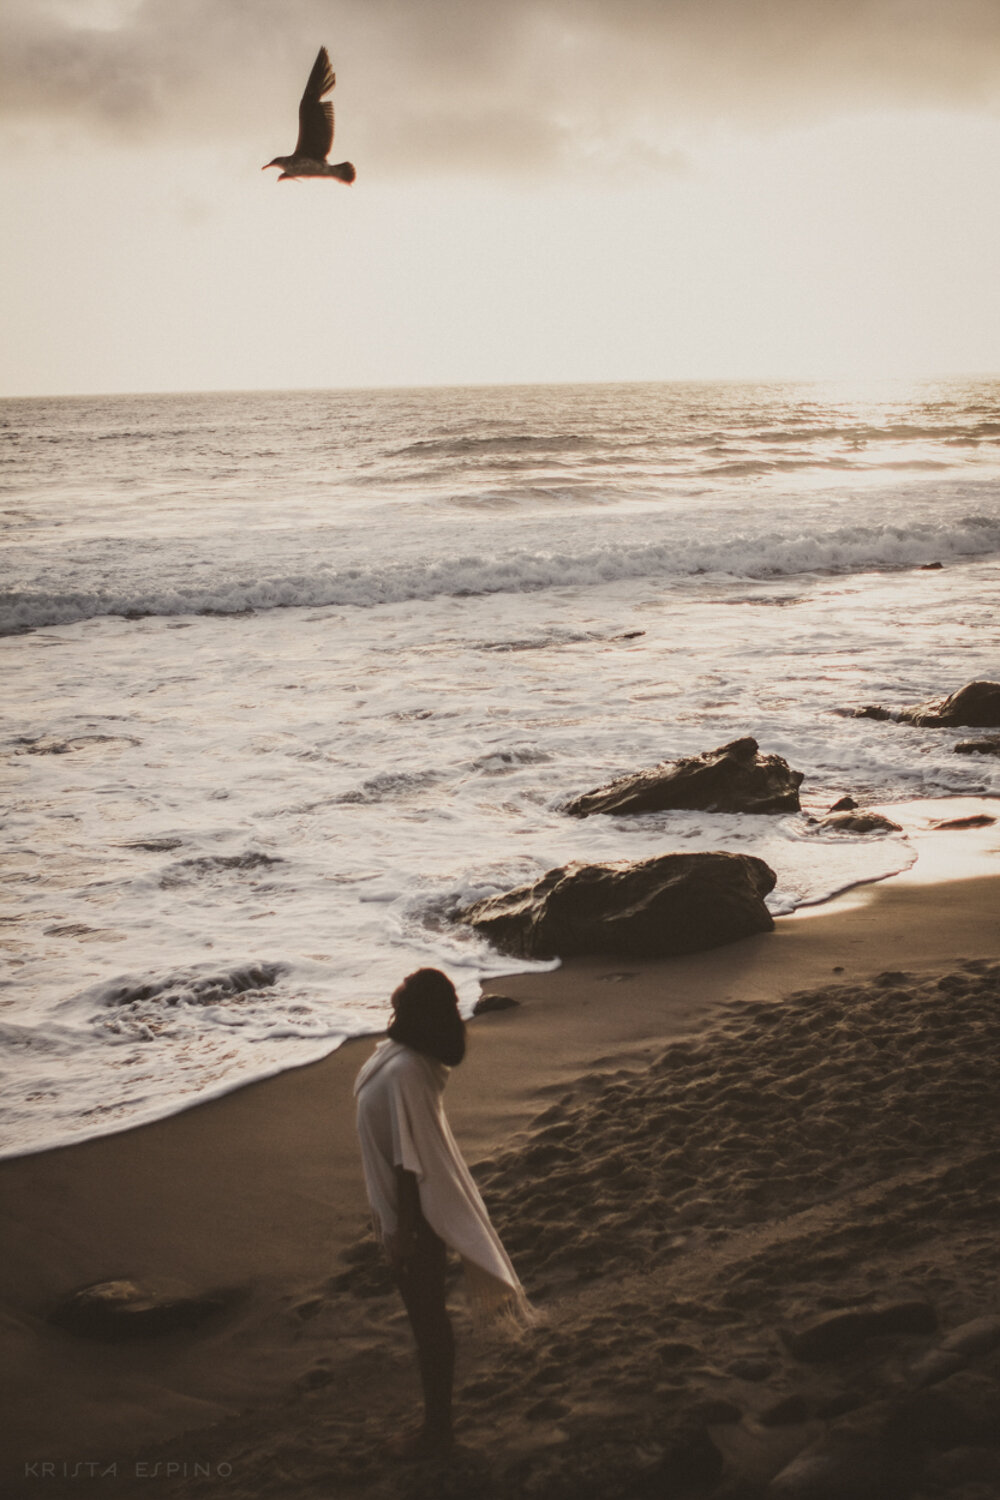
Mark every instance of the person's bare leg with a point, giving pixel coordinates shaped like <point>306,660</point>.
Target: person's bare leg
<point>421,1283</point>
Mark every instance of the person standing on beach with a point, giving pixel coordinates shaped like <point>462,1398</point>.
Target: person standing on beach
<point>423,1198</point>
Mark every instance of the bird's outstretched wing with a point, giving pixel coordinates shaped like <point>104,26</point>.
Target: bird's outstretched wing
<point>315,117</point>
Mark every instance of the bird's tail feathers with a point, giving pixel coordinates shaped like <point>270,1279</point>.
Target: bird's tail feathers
<point>344,170</point>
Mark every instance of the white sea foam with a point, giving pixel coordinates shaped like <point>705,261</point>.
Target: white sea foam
<point>173,584</point>
<point>228,837</point>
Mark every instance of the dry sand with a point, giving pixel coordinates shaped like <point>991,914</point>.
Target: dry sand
<point>686,1159</point>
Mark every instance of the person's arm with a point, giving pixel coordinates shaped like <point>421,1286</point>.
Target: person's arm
<point>402,1244</point>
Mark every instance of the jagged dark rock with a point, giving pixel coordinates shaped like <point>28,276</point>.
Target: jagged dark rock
<point>121,1310</point>
<point>733,778</point>
<point>977,706</point>
<point>674,903</point>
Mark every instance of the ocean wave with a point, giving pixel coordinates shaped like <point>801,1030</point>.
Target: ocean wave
<point>898,432</point>
<point>137,1047</point>
<point>753,468</point>
<point>743,468</point>
<point>480,447</point>
<point>751,555</point>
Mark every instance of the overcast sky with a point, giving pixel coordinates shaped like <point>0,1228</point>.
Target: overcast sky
<point>579,189</point>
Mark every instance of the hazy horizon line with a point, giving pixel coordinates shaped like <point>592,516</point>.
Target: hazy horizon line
<point>857,378</point>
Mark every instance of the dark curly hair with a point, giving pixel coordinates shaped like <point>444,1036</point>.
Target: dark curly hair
<point>427,1017</point>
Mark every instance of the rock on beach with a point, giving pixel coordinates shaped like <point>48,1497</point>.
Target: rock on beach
<point>842,1331</point>
<point>860,821</point>
<point>124,1309</point>
<point>732,778</point>
<point>975,706</point>
<point>653,908</point>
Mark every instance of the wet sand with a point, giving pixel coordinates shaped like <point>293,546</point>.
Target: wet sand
<point>684,1158</point>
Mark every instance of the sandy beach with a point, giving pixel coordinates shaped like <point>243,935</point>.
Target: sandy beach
<point>692,1163</point>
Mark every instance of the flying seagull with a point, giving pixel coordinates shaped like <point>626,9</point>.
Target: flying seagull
<point>309,159</point>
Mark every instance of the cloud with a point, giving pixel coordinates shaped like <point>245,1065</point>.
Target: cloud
<point>522,86</point>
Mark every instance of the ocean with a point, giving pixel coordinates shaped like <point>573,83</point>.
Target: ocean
<point>290,677</point>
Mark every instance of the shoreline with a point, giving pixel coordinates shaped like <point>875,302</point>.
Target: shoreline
<point>938,856</point>
<point>259,1191</point>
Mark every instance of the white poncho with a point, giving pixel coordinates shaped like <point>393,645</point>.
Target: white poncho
<point>401,1123</point>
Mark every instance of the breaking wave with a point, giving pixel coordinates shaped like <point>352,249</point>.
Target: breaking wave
<point>675,554</point>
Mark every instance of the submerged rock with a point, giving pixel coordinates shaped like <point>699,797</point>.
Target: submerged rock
<point>733,778</point>
<point>977,705</point>
<point>860,821</point>
<point>123,1309</point>
<point>978,747</point>
<point>673,903</point>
